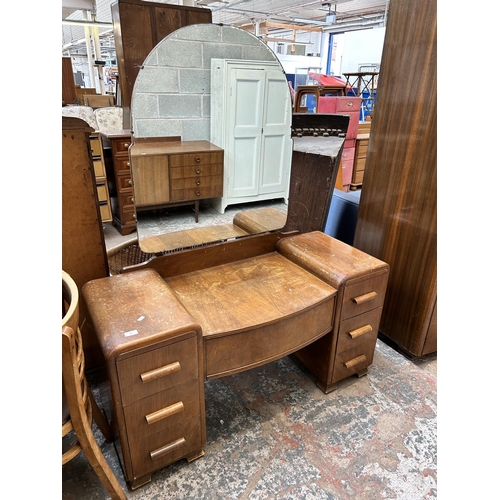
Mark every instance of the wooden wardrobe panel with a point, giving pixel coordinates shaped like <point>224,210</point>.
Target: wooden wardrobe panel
<point>397,218</point>
<point>138,26</point>
<point>84,255</point>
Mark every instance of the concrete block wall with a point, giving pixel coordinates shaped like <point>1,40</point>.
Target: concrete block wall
<point>171,95</point>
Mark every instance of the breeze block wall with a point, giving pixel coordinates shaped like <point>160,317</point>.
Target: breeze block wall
<point>171,95</point>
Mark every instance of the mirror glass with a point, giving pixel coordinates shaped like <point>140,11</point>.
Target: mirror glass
<point>211,125</point>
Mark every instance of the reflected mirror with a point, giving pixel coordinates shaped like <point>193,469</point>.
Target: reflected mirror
<point>212,148</point>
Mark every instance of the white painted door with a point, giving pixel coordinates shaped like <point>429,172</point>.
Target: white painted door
<point>244,139</point>
<point>276,135</point>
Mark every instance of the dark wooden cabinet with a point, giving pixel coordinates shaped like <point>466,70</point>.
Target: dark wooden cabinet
<point>138,27</point>
<point>116,144</point>
<point>397,220</point>
<point>68,81</point>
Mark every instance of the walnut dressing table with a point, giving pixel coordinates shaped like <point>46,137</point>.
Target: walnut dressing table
<point>168,325</point>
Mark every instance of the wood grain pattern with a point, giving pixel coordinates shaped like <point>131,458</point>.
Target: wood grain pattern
<point>397,219</point>
<point>138,26</point>
<point>83,247</point>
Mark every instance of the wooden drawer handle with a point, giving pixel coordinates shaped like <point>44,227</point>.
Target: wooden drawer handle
<point>169,447</point>
<point>160,372</point>
<point>361,299</point>
<point>356,361</point>
<point>198,171</point>
<point>360,331</point>
<point>164,413</point>
<point>198,159</point>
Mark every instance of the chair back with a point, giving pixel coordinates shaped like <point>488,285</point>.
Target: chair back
<point>85,113</point>
<point>109,118</point>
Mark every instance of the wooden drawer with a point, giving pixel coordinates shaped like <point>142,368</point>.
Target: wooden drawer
<point>127,216</point>
<point>151,372</point>
<point>197,182</point>
<point>124,183</point>
<point>196,193</point>
<point>354,360</point>
<point>122,165</point>
<point>195,171</point>
<point>102,193</point>
<point>360,163</point>
<point>360,329</point>
<point>162,410</point>
<point>121,145</point>
<point>165,447</point>
<point>195,159</point>
<point>364,296</point>
<point>105,213</point>
<point>362,148</point>
<point>357,177</point>
<point>99,169</point>
<point>96,147</point>
<point>126,200</point>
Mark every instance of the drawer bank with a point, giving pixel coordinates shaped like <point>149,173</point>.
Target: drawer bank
<point>169,324</point>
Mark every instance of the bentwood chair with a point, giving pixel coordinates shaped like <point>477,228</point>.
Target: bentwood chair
<point>79,406</point>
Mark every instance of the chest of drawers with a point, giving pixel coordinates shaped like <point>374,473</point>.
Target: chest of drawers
<point>170,173</point>
<point>154,359</point>
<point>361,281</point>
<point>117,144</point>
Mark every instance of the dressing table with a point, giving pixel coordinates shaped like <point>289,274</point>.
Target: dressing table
<point>188,315</point>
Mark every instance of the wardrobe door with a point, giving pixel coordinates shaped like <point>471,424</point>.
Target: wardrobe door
<point>244,130</point>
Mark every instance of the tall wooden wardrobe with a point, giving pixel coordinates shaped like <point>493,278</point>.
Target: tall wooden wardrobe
<point>397,217</point>
<point>138,26</point>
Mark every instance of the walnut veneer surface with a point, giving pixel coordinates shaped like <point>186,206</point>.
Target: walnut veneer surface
<point>168,324</point>
<point>397,216</point>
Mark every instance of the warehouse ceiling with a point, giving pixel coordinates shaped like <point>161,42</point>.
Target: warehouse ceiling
<point>272,18</point>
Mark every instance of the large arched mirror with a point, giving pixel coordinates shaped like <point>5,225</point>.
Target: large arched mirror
<point>211,123</point>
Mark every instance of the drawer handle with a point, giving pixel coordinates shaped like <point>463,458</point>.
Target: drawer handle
<point>360,331</point>
<point>131,200</point>
<point>160,372</point>
<point>130,182</point>
<point>361,299</point>
<point>198,171</point>
<point>198,159</point>
<point>126,145</point>
<point>198,193</point>
<point>164,413</point>
<point>128,164</point>
<point>169,447</point>
<point>350,104</point>
<point>198,182</point>
<point>356,361</point>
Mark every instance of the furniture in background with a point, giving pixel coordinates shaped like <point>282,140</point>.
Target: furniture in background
<point>185,317</point>
<point>68,81</point>
<point>397,219</point>
<point>79,408</point>
<point>87,114</point>
<point>98,100</point>
<point>348,106</point>
<point>360,151</point>
<point>250,119</point>
<point>109,118</point>
<point>103,197</point>
<point>83,91</point>
<point>138,26</point>
<point>302,91</point>
<point>363,84</point>
<point>167,172</point>
<point>83,247</point>
<point>116,156</point>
